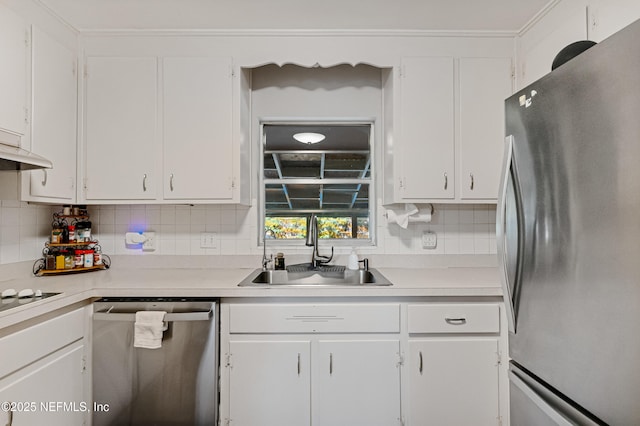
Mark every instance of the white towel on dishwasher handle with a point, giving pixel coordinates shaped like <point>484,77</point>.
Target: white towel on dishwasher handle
<point>148,329</point>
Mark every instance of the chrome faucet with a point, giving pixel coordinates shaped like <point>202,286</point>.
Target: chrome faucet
<point>266,260</point>
<point>312,241</point>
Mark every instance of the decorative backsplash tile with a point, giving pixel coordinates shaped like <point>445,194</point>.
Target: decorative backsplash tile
<point>24,228</point>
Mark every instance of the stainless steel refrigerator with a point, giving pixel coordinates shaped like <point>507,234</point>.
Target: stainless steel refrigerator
<point>569,240</point>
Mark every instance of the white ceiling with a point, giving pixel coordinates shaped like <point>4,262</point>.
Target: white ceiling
<point>432,15</point>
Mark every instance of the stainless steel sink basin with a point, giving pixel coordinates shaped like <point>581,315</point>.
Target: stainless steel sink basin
<point>260,278</point>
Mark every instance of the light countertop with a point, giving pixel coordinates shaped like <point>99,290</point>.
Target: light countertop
<point>223,283</point>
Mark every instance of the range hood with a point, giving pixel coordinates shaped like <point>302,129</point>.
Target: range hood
<point>14,158</point>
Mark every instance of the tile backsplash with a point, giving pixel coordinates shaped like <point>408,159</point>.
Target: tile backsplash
<point>24,228</point>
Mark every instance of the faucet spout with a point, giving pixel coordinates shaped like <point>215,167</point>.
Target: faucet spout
<point>312,232</point>
<point>312,241</point>
<point>266,260</point>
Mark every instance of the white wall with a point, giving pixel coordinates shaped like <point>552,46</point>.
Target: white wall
<point>23,230</point>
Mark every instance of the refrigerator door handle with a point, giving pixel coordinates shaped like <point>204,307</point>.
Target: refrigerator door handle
<point>501,235</point>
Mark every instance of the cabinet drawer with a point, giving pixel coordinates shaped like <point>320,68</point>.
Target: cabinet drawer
<point>454,318</point>
<point>25,346</point>
<point>311,318</point>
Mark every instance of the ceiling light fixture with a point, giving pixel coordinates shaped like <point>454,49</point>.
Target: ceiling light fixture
<point>309,138</point>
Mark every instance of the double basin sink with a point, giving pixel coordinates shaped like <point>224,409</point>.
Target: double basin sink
<point>320,276</point>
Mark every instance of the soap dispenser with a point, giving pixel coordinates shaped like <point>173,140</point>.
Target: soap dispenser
<point>353,261</point>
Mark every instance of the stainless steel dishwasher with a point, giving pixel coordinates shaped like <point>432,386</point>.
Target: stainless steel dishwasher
<point>176,384</point>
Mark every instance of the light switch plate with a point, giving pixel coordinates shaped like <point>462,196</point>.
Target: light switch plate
<point>429,240</point>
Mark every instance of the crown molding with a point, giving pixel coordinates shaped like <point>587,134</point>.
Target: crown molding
<point>292,33</point>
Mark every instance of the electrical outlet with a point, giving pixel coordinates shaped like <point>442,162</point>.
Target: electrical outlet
<point>207,240</point>
<point>429,240</point>
<point>149,243</point>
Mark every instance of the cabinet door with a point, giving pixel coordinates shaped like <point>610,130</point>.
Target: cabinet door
<point>120,135</point>
<point>48,392</point>
<point>427,129</point>
<point>358,383</point>
<point>13,72</point>
<point>198,146</point>
<point>53,133</point>
<point>453,381</point>
<point>269,383</point>
<point>607,17</point>
<point>484,85</point>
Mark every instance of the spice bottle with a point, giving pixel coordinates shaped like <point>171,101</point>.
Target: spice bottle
<point>72,233</point>
<point>68,261</point>
<point>79,258</point>
<point>279,262</point>
<point>56,236</point>
<point>60,261</point>
<point>50,262</point>
<point>88,258</point>
<point>83,232</point>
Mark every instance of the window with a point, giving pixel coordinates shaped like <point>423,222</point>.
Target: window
<point>331,179</point>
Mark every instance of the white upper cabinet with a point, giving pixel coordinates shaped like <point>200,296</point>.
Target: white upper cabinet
<point>539,45</point>
<point>14,40</point>
<point>609,16</point>
<point>426,156</point>
<point>484,85</point>
<point>53,123</point>
<point>197,120</point>
<point>121,128</point>
<point>159,129</point>
<point>449,130</point>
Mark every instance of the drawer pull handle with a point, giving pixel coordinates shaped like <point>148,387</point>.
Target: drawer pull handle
<point>456,321</point>
<point>330,364</point>
<point>144,183</point>
<point>298,363</point>
<point>421,364</point>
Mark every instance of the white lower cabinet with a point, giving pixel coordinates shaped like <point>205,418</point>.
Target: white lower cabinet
<point>454,364</point>
<point>42,374</point>
<point>358,382</point>
<point>296,369</point>
<point>270,382</point>
<point>453,381</point>
<point>48,393</point>
<point>363,364</point>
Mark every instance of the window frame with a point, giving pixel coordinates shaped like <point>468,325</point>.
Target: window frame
<point>371,181</point>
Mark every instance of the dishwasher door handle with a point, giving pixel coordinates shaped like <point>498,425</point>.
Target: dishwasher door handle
<point>169,317</point>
